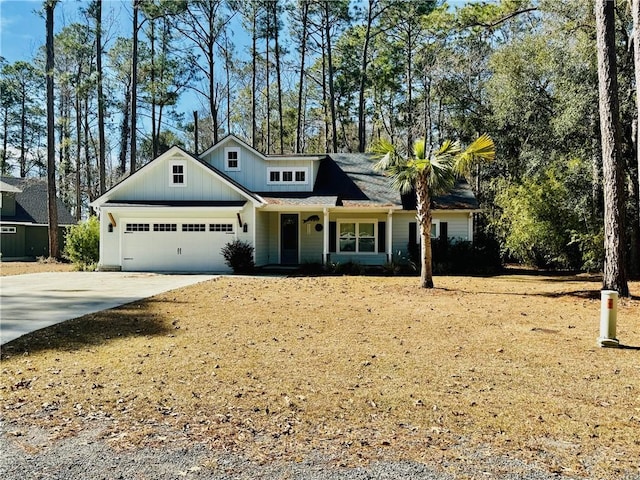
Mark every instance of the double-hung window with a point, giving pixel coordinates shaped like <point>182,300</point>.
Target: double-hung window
<point>178,174</point>
<point>232,159</point>
<point>357,237</point>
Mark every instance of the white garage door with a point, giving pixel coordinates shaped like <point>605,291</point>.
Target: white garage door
<point>175,246</point>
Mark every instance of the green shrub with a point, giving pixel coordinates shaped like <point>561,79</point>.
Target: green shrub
<point>348,268</point>
<point>82,244</point>
<point>238,255</point>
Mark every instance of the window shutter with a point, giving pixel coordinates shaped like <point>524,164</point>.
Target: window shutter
<point>444,231</point>
<point>413,234</point>
<point>332,236</point>
<point>382,237</point>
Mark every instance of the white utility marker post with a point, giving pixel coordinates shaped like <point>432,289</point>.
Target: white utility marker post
<point>608,318</point>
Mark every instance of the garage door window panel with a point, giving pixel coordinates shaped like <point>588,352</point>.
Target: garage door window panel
<point>136,227</point>
<point>165,227</point>
<point>194,227</point>
<point>221,227</point>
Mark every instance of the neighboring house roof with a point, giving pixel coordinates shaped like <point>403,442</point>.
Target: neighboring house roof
<point>32,201</point>
<point>5,187</point>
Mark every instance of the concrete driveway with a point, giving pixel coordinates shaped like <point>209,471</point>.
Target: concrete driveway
<point>34,301</point>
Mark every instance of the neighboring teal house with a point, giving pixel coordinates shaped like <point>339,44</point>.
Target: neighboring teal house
<point>178,211</point>
<point>24,220</point>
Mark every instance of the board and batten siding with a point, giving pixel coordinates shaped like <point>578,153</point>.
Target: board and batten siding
<point>261,253</point>
<point>200,184</point>
<point>311,241</point>
<point>253,172</point>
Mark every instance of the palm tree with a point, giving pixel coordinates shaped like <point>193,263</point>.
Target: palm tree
<point>430,174</point>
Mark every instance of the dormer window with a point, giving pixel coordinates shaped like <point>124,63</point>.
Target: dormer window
<point>232,159</point>
<point>287,176</point>
<point>177,174</point>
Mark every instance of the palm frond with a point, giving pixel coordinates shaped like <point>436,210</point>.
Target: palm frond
<point>403,179</point>
<point>386,153</point>
<point>419,149</point>
<point>442,178</point>
<point>482,150</point>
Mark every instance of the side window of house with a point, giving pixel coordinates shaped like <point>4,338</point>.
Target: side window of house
<point>232,159</point>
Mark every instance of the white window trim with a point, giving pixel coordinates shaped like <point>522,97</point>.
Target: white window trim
<point>184,173</point>
<point>419,236</point>
<point>357,221</point>
<point>293,171</point>
<point>8,230</point>
<point>437,229</point>
<point>228,150</point>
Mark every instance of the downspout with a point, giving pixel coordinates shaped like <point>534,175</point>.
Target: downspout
<point>325,237</point>
<point>389,236</point>
<point>471,226</point>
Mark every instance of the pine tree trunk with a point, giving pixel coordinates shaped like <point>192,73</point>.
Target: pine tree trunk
<point>54,247</point>
<point>635,13</point>
<point>276,28</point>
<point>423,208</point>
<point>615,277</point>
<point>101,134</point>
<point>124,131</point>
<point>134,87</point>
<point>362,130</point>
<point>332,95</point>
<point>254,94</point>
<point>78,154</point>
<point>303,51</point>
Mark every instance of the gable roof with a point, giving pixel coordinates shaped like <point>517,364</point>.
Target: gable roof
<point>31,202</point>
<point>232,137</point>
<point>104,198</point>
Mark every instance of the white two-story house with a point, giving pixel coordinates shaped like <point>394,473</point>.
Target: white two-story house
<point>177,212</point>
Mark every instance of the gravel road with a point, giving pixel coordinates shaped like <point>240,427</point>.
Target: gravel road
<point>29,453</point>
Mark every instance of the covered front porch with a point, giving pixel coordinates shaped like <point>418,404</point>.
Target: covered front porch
<point>297,236</point>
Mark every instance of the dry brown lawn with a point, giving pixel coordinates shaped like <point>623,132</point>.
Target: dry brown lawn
<point>359,368</point>
<point>19,268</point>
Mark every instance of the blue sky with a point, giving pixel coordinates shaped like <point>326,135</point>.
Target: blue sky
<point>22,26</point>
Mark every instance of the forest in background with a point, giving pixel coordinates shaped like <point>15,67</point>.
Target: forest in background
<point>302,76</point>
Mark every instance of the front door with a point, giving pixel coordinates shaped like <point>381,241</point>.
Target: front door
<point>289,239</point>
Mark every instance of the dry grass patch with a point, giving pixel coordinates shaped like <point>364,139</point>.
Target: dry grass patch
<point>359,368</point>
<point>40,266</point>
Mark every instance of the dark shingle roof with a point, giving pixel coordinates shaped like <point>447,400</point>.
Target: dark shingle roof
<point>31,203</point>
<point>351,177</point>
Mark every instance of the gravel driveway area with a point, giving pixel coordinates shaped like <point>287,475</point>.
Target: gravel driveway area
<point>30,453</point>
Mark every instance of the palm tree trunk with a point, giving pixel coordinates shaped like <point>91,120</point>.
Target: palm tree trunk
<point>423,208</point>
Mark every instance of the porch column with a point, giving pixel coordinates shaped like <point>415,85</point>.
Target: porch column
<point>389,236</point>
<point>325,237</point>
<point>471,227</point>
